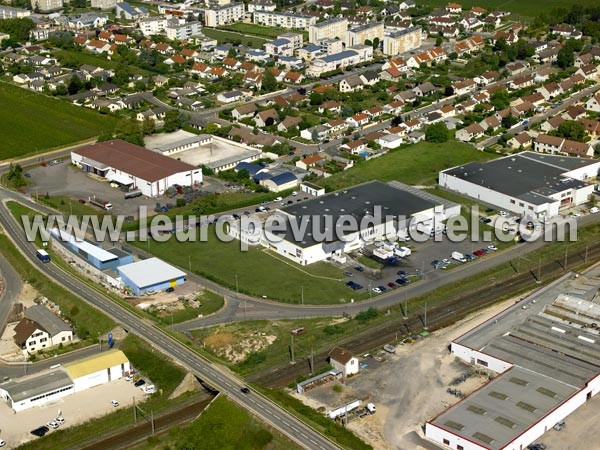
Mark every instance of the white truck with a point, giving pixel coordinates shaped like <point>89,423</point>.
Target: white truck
<point>402,252</point>
<point>458,256</point>
<point>343,410</point>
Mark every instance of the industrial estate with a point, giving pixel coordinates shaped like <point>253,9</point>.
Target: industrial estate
<point>318,224</point>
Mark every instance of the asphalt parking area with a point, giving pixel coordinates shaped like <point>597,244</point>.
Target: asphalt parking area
<point>65,179</point>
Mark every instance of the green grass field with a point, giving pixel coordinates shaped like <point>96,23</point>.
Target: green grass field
<point>529,8</point>
<point>258,271</point>
<point>224,37</point>
<point>223,425</point>
<point>252,28</point>
<point>417,164</point>
<point>32,123</point>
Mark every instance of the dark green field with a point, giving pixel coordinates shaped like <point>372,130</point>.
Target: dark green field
<point>32,123</point>
<point>527,8</point>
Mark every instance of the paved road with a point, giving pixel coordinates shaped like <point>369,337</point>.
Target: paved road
<point>214,375</point>
<point>12,287</point>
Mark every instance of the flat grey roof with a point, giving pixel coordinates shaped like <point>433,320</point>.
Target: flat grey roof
<point>394,199</point>
<point>26,388</point>
<point>554,351</point>
<point>527,175</point>
<point>504,408</point>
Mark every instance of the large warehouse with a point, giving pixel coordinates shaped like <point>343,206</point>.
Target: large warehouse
<point>526,183</point>
<point>47,387</point>
<point>150,274</point>
<point>547,351</point>
<point>402,207</point>
<point>92,252</point>
<point>135,167</point>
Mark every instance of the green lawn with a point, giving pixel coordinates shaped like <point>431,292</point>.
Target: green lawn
<point>223,425</point>
<point>87,321</point>
<point>82,57</point>
<point>69,206</point>
<point>417,164</point>
<point>321,334</point>
<point>32,123</point>
<point>252,28</point>
<point>258,271</point>
<point>529,8</point>
<point>224,37</point>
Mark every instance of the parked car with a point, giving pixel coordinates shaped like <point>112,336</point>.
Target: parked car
<point>470,256</point>
<point>59,420</point>
<point>2,443</point>
<point>402,281</point>
<point>479,253</point>
<point>492,247</point>
<point>349,274</point>
<point>40,431</point>
<point>376,290</point>
<point>559,426</point>
<point>382,288</point>
<point>359,269</point>
<point>392,285</point>
<point>52,424</point>
<point>114,403</point>
<point>170,289</point>
<point>402,273</point>
<point>140,382</point>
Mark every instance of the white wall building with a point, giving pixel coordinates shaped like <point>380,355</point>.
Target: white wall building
<point>402,41</point>
<point>150,26</point>
<point>349,57</point>
<point>135,166</point>
<point>344,361</point>
<point>222,15</point>
<point>97,369</point>
<point>183,31</point>
<point>526,183</point>
<point>329,29</point>
<point>284,20</point>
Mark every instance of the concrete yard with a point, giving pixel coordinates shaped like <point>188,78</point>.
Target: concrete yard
<point>15,428</point>
<point>408,387</point>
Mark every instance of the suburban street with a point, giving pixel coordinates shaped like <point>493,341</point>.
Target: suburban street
<point>219,378</point>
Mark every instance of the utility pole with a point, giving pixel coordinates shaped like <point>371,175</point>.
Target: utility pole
<point>190,262</point>
<point>134,411</point>
<point>539,277</point>
<point>100,341</point>
<point>292,348</point>
<point>566,255</point>
<point>425,318</point>
<point>586,253</point>
<point>152,420</point>
<point>312,360</point>
<point>302,290</point>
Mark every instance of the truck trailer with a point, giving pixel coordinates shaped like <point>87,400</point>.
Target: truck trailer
<point>106,206</point>
<point>343,410</point>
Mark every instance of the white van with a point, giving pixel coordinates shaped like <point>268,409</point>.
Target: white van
<point>149,389</point>
<point>594,210</point>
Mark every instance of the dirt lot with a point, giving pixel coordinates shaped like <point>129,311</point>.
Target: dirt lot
<point>15,428</point>
<point>408,388</point>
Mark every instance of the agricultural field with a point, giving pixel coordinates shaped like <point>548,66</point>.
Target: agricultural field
<point>31,123</point>
<point>259,272</point>
<point>528,9</point>
<point>417,164</point>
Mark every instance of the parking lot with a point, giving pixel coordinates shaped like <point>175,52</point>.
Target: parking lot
<point>65,179</point>
<point>15,428</point>
<point>416,266</point>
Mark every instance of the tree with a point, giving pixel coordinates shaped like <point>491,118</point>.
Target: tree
<point>148,126</point>
<point>15,176</point>
<point>18,29</point>
<point>565,57</point>
<point>509,121</point>
<point>211,128</point>
<point>437,132</point>
<point>172,121</point>
<point>269,83</point>
<point>75,85</point>
<point>316,98</point>
<point>231,53</point>
<point>571,129</point>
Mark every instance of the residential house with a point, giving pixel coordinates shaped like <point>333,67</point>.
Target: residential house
<point>592,127</point>
<point>469,133</point>
<point>574,112</point>
<point>550,90</point>
<point>552,124</point>
<point>331,106</point>
<point>520,141</point>
<point>245,111</point>
<point>41,329</point>
<point>358,120</point>
<point>424,89</point>
<point>464,87</point>
<point>310,161</point>
<point>266,118</point>
<point>589,71</point>
<point>390,141</point>
<point>351,84</point>
<point>486,78</point>
<point>230,97</point>
<point>593,103</point>
<point>355,147</point>
<point>289,123</point>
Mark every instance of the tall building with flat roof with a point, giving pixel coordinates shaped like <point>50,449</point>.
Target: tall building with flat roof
<point>402,41</point>
<point>328,29</point>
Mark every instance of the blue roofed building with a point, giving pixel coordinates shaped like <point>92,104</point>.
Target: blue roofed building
<point>252,169</point>
<point>281,182</point>
<point>349,57</point>
<point>130,12</point>
<point>279,47</point>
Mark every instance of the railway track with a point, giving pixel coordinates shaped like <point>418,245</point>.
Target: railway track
<point>444,313</point>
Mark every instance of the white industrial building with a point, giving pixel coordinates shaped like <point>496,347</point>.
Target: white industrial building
<point>47,387</point>
<point>150,274</point>
<point>349,57</point>
<point>526,183</point>
<point>136,167</point>
<point>545,363</point>
<point>378,208</point>
<point>284,19</point>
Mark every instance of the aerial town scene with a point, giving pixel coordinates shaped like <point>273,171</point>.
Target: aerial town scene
<point>299,224</point>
